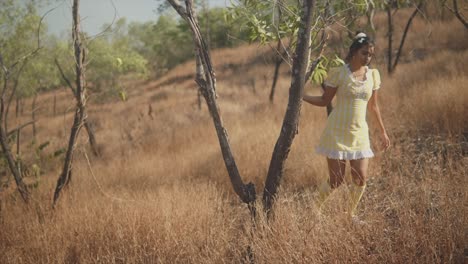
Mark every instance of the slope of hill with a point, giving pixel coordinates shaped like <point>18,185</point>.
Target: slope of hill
<point>160,192</point>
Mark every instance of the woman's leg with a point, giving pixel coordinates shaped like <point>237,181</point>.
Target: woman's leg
<point>359,171</point>
<point>359,175</point>
<point>336,170</point>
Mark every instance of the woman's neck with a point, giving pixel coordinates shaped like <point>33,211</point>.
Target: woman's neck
<point>355,66</point>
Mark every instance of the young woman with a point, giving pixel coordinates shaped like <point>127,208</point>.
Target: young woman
<point>346,135</point>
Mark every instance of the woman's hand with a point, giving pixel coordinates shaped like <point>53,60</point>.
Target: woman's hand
<point>323,100</point>
<point>385,141</point>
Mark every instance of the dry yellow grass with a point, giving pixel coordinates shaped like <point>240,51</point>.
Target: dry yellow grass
<point>160,192</point>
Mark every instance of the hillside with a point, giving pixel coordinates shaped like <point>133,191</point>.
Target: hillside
<point>160,193</point>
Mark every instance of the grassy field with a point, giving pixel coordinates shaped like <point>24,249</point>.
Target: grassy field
<point>160,193</point>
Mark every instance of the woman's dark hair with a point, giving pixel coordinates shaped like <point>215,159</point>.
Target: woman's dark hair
<point>359,41</point>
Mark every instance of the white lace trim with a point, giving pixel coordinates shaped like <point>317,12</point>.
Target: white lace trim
<point>345,155</point>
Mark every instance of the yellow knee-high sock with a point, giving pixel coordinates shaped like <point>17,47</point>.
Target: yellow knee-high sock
<point>324,191</point>
<point>355,193</point>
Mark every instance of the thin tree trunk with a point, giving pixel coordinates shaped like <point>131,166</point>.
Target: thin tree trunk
<point>33,115</point>
<point>370,17</point>
<point>92,138</point>
<point>89,128</point>
<point>80,117</point>
<point>458,15</point>
<point>17,107</point>
<point>291,118</point>
<point>55,104</point>
<point>402,42</point>
<point>390,38</point>
<point>18,147</point>
<point>205,78</point>
<point>13,93</point>
<point>12,164</point>
<point>23,190</point>
<point>22,102</point>
<point>278,62</point>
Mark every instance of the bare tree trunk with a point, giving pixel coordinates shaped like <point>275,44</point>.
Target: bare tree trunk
<point>291,118</point>
<point>92,138</point>
<point>23,190</point>
<point>55,104</point>
<point>22,102</point>
<point>402,42</point>
<point>33,115</point>
<point>370,17</point>
<point>88,126</point>
<point>457,14</point>
<point>80,105</point>
<point>17,107</point>
<point>390,38</point>
<point>278,62</point>
<point>18,153</point>
<point>206,80</point>
<point>391,66</point>
<point>199,99</point>
<point>13,93</point>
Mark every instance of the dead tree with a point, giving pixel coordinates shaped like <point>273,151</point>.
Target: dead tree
<point>80,95</point>
<point>391,64</point>
<point>205,78</point>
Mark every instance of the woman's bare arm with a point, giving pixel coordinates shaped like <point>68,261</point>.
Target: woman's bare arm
<point>322,100</point>
<point>373,106</point>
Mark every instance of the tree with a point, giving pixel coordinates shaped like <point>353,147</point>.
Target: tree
<point>20,42</point>
<point>389,6</point>
<point>110,57</point>
<point>205,78</point>
<point>81,98</point>
<point>456,11</point>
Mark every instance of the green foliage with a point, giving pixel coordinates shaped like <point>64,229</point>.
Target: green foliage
<point>108,59</point>
<point>59,152</point>
<point>320,73</point>
<point>265,20</point>
<point>393,4</point>
<point>167,42</point>
<point>18,38</point>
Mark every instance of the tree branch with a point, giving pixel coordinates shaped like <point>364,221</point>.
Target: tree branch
<point>14,130</point>
<point>179,8</point>
<point>65,77</point>
<point>402,42</point>
<point>457,13</point>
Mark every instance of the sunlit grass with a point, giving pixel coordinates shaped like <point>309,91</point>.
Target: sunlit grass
<point>160,192</point>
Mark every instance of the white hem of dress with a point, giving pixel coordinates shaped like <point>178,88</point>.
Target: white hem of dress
<point>345,155</point>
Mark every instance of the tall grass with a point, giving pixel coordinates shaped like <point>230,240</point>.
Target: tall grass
<point>160,192</point>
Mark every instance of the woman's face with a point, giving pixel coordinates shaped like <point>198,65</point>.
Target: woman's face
<point>364,55</point>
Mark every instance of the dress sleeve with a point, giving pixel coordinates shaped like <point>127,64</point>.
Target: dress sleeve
<point>376,79</point>
<point>333,77</point>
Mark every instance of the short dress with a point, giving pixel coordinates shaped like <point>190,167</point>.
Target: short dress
<point>346,135</point>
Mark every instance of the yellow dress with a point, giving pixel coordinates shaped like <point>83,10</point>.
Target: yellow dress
<point>346,135</point>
